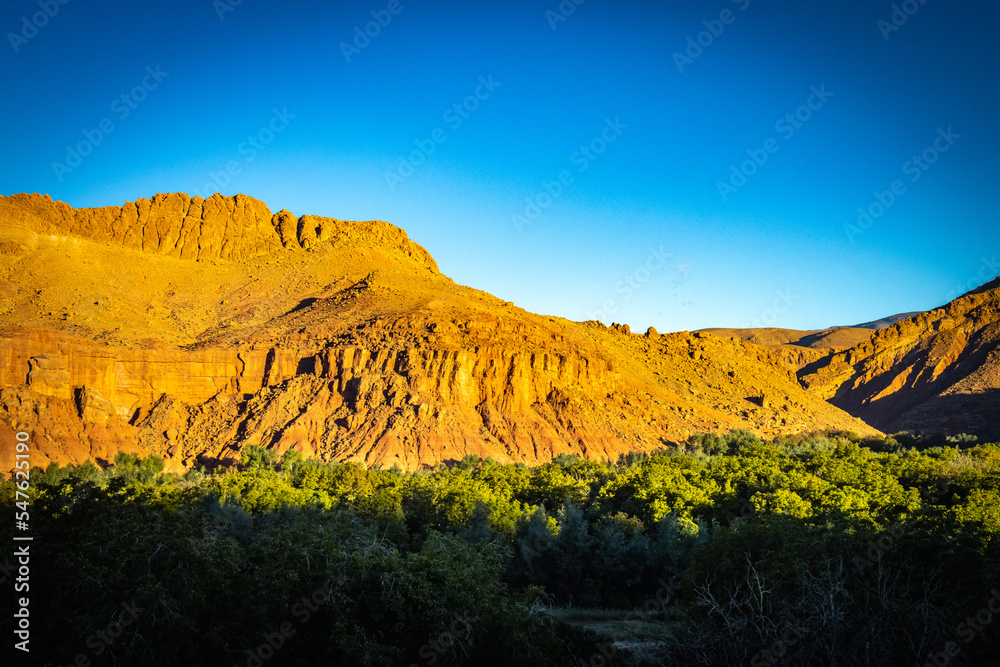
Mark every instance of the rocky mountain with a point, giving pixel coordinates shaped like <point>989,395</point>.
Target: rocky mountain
<point>799,348</point>
<point>886,322</point>
<point>191,327</point>
<point>936,372</point>
<point>796,348</point>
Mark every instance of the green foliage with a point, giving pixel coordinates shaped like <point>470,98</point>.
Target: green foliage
<point>258,456</point>
<point>291,460</point>
<point>128,469</point>
<point>882,544</point>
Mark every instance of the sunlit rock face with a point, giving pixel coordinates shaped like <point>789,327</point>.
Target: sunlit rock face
<point>190,328</point>
<point>937,372</point>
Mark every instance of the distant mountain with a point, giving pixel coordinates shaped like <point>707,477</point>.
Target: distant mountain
<point>886,322</point>
<point>190,327</point>
<point>935,372</point>
<point>798,348</point>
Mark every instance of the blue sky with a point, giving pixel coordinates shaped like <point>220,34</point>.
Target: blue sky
<point>674,164</point>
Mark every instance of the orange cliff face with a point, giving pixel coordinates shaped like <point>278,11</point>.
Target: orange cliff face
<point>218,228</point>
<point>189,328</point>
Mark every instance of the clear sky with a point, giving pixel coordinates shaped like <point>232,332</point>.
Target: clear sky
<point>678,164</point>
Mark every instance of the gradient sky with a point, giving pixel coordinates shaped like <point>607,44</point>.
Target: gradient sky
<point>774,251</point>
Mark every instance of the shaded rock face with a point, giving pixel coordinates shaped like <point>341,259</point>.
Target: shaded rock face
<point>190,328</point>
<point>937,372</point>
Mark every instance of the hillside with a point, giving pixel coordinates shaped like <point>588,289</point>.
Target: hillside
<point>799,348</point>
<point>886,322</point>
<point>190,328</point>
<point>937,372</point>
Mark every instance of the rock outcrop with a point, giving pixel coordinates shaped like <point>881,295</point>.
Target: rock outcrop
<point>937,372</point>
<point>176,225</point>
<point>190,328</point>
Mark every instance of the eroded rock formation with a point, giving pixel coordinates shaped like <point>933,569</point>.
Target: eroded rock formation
<point>190,328</point>
<point>937,372</point>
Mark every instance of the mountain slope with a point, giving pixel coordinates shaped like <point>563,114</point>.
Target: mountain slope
<point>886,322</point>
<point>799,348</point>
<point>937,372</point>
<point>190,328</point>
